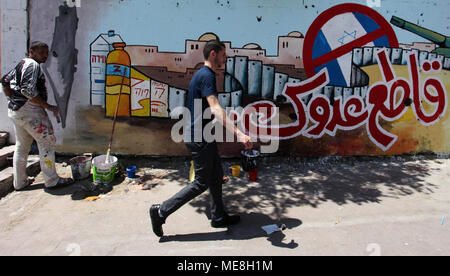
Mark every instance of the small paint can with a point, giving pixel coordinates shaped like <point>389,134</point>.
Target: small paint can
<point>253,175</point>
<point>131,171</point>
<point>236,171</point>
<point>80,167</point>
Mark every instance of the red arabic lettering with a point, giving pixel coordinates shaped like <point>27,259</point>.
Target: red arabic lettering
<point>379,93</point>
<point>351,113</point>
<point>293,94</point>
<point>430,82</point>
<point>320,112</point>
<point>349,119</point>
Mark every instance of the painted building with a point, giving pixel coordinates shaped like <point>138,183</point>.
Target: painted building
<point>343,77</point>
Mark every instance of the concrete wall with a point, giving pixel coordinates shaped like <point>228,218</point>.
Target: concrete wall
<point>14,33</point>
<point>331,54</point>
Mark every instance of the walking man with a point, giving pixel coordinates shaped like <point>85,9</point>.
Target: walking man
<point>25,89</point>
<point>207,163</point>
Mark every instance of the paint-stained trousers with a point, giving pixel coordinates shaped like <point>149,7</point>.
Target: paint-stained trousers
<point>208,174</point>
<point>31,122</point>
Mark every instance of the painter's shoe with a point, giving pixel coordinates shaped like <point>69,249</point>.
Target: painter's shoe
<point>225,221</point>
<point>62,182</point>
<point>157,221</point>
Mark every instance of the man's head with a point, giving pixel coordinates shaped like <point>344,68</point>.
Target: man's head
<point>214,52</point>
<point>38,51</point>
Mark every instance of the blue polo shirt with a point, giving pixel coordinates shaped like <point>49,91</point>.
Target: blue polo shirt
<point>202,85</point>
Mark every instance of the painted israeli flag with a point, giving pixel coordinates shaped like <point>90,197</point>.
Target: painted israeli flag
<point>337,32</point>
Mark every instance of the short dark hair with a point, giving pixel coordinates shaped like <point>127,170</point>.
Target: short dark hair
<point>37,44</point>
<point>212,45</point>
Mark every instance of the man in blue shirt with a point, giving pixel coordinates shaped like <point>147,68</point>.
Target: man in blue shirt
<point>207,163</point>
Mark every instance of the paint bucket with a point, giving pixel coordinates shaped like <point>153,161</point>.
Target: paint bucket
<point>249,159</point>
<point>236,171</point>
<point>81,167</point>
<point>253,175</point>
<point>103,172</point>
<point>131,171</point>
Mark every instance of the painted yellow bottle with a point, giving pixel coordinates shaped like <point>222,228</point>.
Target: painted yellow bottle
<point>118,81</point>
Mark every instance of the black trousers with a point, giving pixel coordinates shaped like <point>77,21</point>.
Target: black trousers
<point>208,174</point>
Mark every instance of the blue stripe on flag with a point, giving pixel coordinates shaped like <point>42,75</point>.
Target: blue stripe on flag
<point>366,22</point>
<point>370,26</point>
<point>335,73</point>
<point>321,46</point>
<point>382,42</point>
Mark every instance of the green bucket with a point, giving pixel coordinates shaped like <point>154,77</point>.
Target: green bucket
<point>104,173</point>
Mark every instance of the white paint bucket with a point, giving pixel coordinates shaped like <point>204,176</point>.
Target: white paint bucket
<point>103,172</point>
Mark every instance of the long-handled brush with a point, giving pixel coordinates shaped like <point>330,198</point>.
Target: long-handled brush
<point>114,121</point>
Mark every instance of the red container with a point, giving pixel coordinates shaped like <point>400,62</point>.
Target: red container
<point>253,175</point>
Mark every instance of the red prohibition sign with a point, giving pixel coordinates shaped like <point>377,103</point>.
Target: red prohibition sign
<point>384,29</point>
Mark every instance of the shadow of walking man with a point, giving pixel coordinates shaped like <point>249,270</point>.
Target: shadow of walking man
<point>248,228</point>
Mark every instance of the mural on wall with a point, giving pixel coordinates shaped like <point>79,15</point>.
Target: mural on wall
<point>349,72</point>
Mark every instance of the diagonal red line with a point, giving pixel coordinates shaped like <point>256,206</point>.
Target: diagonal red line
<point>336,53</point>
<point>141,81</point>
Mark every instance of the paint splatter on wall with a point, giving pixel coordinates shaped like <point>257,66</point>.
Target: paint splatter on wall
<point>64,52</point>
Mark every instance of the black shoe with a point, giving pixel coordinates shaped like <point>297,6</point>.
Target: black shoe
<point>157,221</point>
<point>225,221</point>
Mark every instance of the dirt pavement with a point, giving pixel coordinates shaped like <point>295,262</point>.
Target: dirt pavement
<point>331,206</point>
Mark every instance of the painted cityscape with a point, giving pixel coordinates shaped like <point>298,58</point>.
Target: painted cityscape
<point>322,82</point>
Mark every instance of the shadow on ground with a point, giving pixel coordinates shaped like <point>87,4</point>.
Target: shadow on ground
<point>284,183</point>
<point>282,186</point>
<point>248,228</point>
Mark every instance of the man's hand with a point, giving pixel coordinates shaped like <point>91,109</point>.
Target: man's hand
<point>55,111</point>
<point>245,140</point>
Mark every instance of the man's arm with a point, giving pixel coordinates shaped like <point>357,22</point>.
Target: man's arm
<point>38,100</point>
<point>6,80</point>
<point>221,116</point>
<point>29,78</point>
<point>7,90</point>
